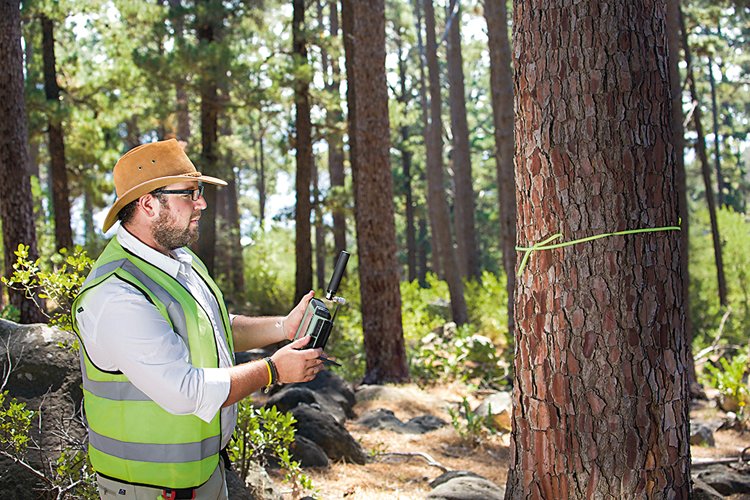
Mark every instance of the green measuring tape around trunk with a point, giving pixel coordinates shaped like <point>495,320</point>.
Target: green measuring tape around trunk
<point>542,245</point>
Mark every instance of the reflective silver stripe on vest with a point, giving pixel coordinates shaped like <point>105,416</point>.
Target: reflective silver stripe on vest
<point>174,309</point>
<point>118,391</point>
<point>157,453</point>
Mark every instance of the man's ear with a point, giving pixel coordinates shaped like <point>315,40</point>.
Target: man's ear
<point>149,205</point>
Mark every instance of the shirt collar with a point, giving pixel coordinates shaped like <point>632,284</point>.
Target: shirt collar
<point>179,261</point>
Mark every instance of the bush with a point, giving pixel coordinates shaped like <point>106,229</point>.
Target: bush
<point>263,434</point>
<point>269,273</point>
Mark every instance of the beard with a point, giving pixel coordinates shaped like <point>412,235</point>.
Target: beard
<point>170,235</point>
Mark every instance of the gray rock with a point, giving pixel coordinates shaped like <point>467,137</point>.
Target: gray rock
<point>500,407</point>
<point>326,432</point>
<point>447,476</point>
<point>701,434</point>
<point>308,453</point>
<point>258,485</point>
<point>467,487</point>
<point>385,419</point>
<point>702,491</point>
<point>724,479</point>
<point>328,390</point>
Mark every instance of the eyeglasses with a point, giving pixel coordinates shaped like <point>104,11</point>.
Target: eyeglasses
<point>195,194</point>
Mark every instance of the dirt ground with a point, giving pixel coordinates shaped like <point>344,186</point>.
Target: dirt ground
<point>397,477</point>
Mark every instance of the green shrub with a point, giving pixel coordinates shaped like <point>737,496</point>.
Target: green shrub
<point>264,433</point>
<point>269,273</point>
<point>470,426</point>
<point>730,379</point>
<point>57,283</point>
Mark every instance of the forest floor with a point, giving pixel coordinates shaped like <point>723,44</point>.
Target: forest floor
<point>392,477</point>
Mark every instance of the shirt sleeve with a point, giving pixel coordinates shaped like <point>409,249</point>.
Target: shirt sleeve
<point>123,331</point>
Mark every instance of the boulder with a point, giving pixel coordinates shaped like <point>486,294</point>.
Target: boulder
<point>499,407</point>
<point>467,486</point>
<point>307,453</point>
<point>724,479</point>
<point>702,491</point>
<point>326,432</point>
<point>453,474</point>
<point>701,434</point>
<point>257,485</point>
<point>385,419</point>
<point>332,393</point>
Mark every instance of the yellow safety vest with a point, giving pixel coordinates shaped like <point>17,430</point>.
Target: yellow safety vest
<point>131,438</point>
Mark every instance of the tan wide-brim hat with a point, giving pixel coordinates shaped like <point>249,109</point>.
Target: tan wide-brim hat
<point>148,167</point>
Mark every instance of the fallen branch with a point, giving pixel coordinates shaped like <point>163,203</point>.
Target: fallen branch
<point>411,454</point>
<point>741,459</point>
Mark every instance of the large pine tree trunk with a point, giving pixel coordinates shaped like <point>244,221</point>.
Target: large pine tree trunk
<point>304,158</point>
<point>720,184</point>
<point>56,145</point>
<point>208,24</point>
<point>363,24</point>
<point>600,390</point>
<point>335,121</point>
<point>678,140</point>
<point>700,149</point>
<point>436,202</point>
<point>16,208</point>
<point>406,169</point>
<point>501,84</point>
<point>467,251</point>
<point>177,17</point>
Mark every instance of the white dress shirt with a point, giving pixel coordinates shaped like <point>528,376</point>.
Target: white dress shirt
<point>123,331</point>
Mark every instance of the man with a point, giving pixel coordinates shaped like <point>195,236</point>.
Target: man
<point>160,388</point>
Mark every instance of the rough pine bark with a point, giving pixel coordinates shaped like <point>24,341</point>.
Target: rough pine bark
<point>678,140</point>
<point>335,118</point>
<point>208,21</point>
<point>700,149</point>
<point>501,86</point>
<point>467,251</point>
<point>56,144</point>
<point>16,208</point>
<point>600,390</point>
<point>406,168</point>
<point>304,158</point>
<point>363,23</point>
<point>436,202</point>
<point>177,17</point>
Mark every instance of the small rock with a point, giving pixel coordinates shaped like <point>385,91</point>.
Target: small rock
<point>500,406</point>
<point>467,487</point>
<point>701,434</point>
<point>385,419</point>
<point>447,476</point>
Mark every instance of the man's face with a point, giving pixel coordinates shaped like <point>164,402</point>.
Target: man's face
<point>177,223</point>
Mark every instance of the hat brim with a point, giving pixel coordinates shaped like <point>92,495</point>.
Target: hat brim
<point>137,191</point>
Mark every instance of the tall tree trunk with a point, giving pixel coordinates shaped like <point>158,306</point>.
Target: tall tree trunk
<point>467,251</point>
<point>16,208</point>
<point>600,391</point>
<point>501,84</point>
<point>700,149</point>
<point>177,17</point>
<point>422,250</point>
<point>260,182</point>
<point>335,137</point>
<point>320,235</point>
<point>678,140</point>
<point>208,21</point>
<point>406,163</point>
<point>721,186</point>
<point>56,146</point>
<point>436,202</point>
<point>304,157</point>
<point>430,249</point>
<point>369,140</point>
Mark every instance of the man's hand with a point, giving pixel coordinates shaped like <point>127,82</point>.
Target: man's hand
<point>295,364</point>
<point>292,320</point>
